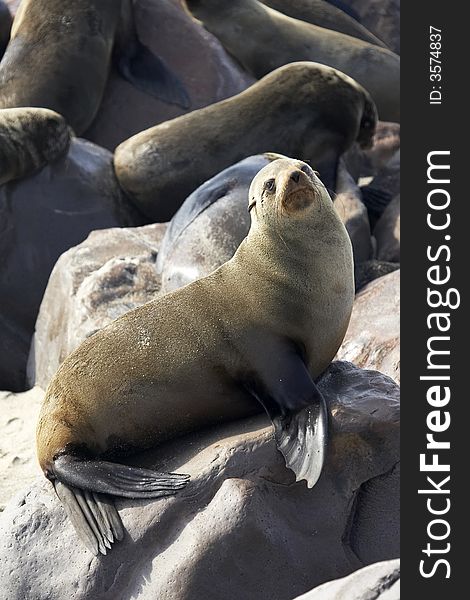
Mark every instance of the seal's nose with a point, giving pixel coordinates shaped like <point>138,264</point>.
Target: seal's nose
<point>295,176</point>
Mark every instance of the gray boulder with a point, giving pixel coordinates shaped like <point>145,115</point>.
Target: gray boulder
<point>380,581</point>
<point>373,337</point>
<point>109,273</point>
<point>242,528</point>
<point>41,217</point>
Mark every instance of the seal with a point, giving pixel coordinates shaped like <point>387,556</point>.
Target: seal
<point>323,14</point>
<point>262,39</point>
<point>60,52</point>
<point>30,138</point>
<point>5,26</point>
<point>253,334</point>
<point>303,109</point>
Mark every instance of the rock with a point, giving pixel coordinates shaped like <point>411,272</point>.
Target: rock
<point>380,581</point>
<point>381,17</point>
<point>373,337</point>
<point>387,232</point>
<point>378,194</point>
<point>208,73</point>
<point>18,465</point>
<point>109,273</point>
<point>5,26</point>
<point>241,529</point>
<point>353,213</point>
<point>42,216</point>
<point>367,271</point>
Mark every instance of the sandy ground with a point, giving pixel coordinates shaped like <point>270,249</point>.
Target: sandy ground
<point>18,417</point>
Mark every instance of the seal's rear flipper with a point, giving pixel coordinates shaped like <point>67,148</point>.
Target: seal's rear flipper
<point>94,517</point>
<point>301,438</point>
<point>115,479</point>
<point>148,73</point>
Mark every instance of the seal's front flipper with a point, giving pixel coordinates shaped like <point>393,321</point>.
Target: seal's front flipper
<point>94,517</point>
<point>298,412</point>
<point>115,479</point>
<point>301,438</point>
<point>148,73</point>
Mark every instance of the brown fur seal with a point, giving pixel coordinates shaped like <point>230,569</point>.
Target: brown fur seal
<point>30,138</point>
<point>60,52</point>
<point>255,333</point>
<point>263,39</point>
<point>303,109</point>
<point>323,14</point>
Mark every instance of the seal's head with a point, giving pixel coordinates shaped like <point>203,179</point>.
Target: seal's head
<point>284,191</point>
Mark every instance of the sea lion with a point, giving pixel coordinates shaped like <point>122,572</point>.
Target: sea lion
<point>303,109</point>
<point>323,14</point>
<point>253,334</point>
<point>30,138</point>
<point>262,39</point>
<point>59,57</point>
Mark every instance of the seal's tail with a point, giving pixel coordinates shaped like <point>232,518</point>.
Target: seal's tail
<point>82,486</point>
<point>301,437</point>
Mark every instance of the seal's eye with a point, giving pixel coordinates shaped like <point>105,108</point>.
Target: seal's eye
<point>270,185</point>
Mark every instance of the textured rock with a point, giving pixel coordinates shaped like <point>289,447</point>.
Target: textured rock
<point>241,529</point>
<point>40,217</point>
<point>208,73</point>
<point>380,581</point>
<point>381,17</point>
<point>387,232</point>
<point>18,465</point>
<point>373,337</point>
<point>111,272</point>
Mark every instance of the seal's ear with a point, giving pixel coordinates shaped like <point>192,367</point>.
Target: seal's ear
<point>272,156</point>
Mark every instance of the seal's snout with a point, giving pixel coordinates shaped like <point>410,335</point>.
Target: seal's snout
<point>298,190</point>
<point>295,176</point>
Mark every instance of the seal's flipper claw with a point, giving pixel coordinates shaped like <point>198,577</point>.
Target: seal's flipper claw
<point>301,437</point>
<point>83,510</point>
<point>148,73</point>
<point>115,479</point>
